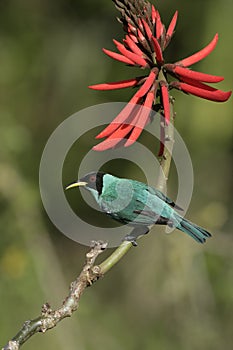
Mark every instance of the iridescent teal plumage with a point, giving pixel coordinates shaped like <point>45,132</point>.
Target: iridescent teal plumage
<point>137,204</point>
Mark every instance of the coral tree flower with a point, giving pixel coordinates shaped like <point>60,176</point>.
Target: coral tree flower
<point>143,46</point>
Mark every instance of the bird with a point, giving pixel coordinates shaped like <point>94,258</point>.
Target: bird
<point>137,204</point>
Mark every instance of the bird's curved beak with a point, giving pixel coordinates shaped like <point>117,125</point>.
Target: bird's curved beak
<point>76,184</point>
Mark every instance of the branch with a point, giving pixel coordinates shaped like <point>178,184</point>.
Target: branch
<point>49,318</point>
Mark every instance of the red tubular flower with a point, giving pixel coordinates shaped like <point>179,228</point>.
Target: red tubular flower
<point>166,102</point>
<point>198,56</point>
<point>145,40</point>
<point>183,72</point>
<point>116,85</point>
<point>171,28</point>
<point>212,95</point>
<point>158,50</point>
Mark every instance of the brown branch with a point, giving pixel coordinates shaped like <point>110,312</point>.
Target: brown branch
<point>50,318</point>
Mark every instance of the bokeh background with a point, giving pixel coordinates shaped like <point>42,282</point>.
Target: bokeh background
<point>169,293</point>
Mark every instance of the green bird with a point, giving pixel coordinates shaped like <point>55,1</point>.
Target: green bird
<point>137,204</point>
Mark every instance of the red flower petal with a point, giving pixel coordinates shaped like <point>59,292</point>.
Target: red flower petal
<point>134,135</point>
<point>123,117</point>
<point>140,25</point>
<point>153,14</point>
<point>132,29</point>
<point>187,73</point>
<point>142,120</point>
<point>140,36</point>
<point>166,102</point>
<point>115,85</point>
<point>212,95</point>
<point>106,144</point>
<point>148,83</point>
<point>147,29</point>
<point>198,56</point>
<point>172,25</point>
<point>137,59</point>
<point>159,26</point>
<point>158,50</point>
<point>133,47</point>
<point>150,99</point>
<point>118,57</point>
<point>196,83</point>
<point>133,38</point>
<point>120,134</point>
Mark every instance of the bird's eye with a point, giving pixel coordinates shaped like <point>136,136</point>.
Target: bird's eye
<point>92,178</point>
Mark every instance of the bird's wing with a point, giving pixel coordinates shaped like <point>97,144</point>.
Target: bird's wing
<point>144,205</point>
<point>160,220</point>
<point>148,208</point>
<point>163,197</point>
<point>129,209</point>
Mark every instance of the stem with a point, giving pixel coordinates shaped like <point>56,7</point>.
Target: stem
<point>165,161</point>
<point>115,257</point>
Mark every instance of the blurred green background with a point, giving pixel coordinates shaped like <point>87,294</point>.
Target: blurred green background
<point>169,293</point>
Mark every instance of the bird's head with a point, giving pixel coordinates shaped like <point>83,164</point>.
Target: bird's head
<point>92,182</point>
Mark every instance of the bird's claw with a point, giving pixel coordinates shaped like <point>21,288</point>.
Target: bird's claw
<point>131,239</point>
<point>135,233</point>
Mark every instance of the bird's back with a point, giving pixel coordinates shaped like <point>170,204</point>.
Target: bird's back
<point>130,201</point>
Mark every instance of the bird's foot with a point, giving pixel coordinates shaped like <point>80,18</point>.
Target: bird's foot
<point>135,233</point>
<point>170,224</point>
<point>130,238</point>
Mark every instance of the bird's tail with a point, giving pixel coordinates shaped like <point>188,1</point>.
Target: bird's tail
<point>196,232</point>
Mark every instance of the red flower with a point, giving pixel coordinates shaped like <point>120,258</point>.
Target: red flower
<point>143,46</point>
